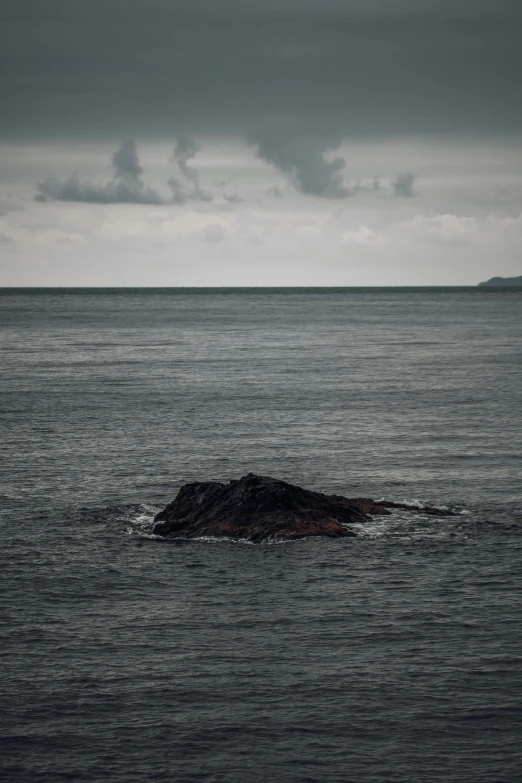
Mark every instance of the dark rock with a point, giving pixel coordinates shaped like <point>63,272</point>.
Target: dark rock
<point>260,507</point>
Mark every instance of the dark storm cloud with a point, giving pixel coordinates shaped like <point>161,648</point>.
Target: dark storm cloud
<point>304,160</point>
<point>189,189</point>
<point>186,149</point>
<point>232,198</point>
<point>334,67</point>
<point>403,185</point>
<point>126,187</point>
<point>314,169</point>
<point>126,162</point>
<point>75,189</point>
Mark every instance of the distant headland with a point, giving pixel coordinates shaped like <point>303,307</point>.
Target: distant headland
<point>503,282</point>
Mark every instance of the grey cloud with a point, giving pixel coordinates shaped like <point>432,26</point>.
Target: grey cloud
<point>179,195</point>
<point>7,242</point>
<point>186,149</point>
<point>126,187</point>
<point>304,161</point>
<point>373,185</point>
<point>74,189</point>
<point>347,67</point>
<point>189,190</point>
<point>126,162</point>
<point>400,187</point>
<point>213,233</point>
<point>403,185</point>
<point>232,198</point>
<point>10,205</point>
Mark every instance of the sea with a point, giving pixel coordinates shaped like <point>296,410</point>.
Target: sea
<point>391,657</point>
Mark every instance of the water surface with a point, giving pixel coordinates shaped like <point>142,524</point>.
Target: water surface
<point>395,656</point>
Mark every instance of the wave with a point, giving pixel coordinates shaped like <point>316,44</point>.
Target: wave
<point>137,520</point>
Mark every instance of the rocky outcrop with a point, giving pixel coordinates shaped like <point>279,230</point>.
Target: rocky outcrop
<point>259,507</point>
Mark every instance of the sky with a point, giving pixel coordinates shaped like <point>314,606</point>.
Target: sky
<point>239,143</point>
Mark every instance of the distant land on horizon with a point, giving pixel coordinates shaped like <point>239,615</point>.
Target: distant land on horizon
<point>503,281</point>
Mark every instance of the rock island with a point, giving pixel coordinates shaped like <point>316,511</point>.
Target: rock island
<point>257,508</point>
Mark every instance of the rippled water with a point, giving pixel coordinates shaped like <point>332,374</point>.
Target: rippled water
<point>395,656</point>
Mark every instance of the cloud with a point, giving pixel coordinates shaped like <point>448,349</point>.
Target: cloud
<point>311,171</point>
<point>126,186</point>
<point>9,205</point>
<point>74,189</point>
<point>164,226</point>
<point>275,192</point>
<point>445,229</point>
<point>189,189</point>
<point>371,185</point>
<point>126,162</point>
<point>184,151</point>
<point>403,185</point>
<point>363,237</point>
<point>440,229</point>
<point>7,242</point>
<point>232,198</point>
<point>363,67</point>
<point>304,161</point>
<point>308,230</point>
<point>32,233</point>
<point>400,187</point>
<point>213,233</point>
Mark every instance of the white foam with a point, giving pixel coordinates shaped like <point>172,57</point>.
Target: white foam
<point>139,523</point>
<point>130,531</point>
<point>226,539</point>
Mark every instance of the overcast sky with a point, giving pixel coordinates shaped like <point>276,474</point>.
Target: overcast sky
<point>234,142</point>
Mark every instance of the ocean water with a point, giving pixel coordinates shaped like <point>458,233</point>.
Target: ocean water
<point>389,658</point>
